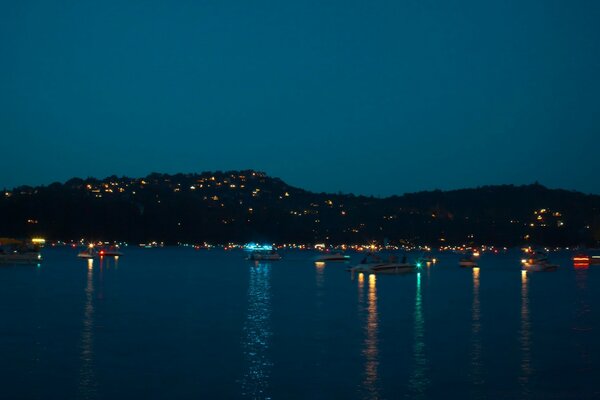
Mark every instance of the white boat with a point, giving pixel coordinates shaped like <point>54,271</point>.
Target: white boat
<point>385,267</point>
<point>328,257</point>
<point>264,255</point>
<point>17,257</point>
<point>88,253</point>
<point>539,263</point>
<point>374,264</point>
<point>540,267</point>
<point>13,251</point>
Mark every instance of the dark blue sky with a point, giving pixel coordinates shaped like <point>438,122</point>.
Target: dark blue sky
<point>371,97</point>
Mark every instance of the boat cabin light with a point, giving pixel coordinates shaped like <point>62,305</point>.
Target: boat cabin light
<point>257,247</point>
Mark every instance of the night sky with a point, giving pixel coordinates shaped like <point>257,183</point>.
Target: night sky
<point>370,97</point>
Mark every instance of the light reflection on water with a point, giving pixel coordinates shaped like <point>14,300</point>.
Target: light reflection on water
<point>361,288</point>
<point>319,266</point>
<point>87,377</point>
<point>583,320</point>
<point>320,280</point>
<point>383,338</point>
<point>371,351</point>
<point>476,345</point>
<point>418,381</point>
<point>525,338</point>
<point>257,334</point>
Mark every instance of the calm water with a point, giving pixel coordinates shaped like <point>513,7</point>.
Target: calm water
<point>182,324</point>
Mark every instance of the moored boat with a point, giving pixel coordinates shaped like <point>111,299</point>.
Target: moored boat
<point>88,253</point>
<point>264,255</point>
<point>112,251</point>
<point>374,264</point>
<point>328,257</point>
<point>468,263</point>
<point>538,262</point>
<point>14,251</point>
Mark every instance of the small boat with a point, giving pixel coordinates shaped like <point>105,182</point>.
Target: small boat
<point>385,267</point>
<point>426,260</point>
<point>374,264</point>
<point>18,257</point>
<point>88,253</point>
<point>264,255</point>
<point>595,260</point>
<point>468,263</point>
<point>13,251</point>
<point>538,263</point>
<point>328,257</point>
<point>112,251</point>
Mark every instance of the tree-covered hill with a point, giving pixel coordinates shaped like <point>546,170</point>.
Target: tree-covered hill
<point>238,206</point>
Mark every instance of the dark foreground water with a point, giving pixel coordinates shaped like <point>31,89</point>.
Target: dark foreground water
<point>184,324</point>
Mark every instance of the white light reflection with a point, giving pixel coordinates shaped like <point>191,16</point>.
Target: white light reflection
<point>257,334</point>
<point>87,378</point>
<point>418,380</point>
<point>476,346</point>
<point>525,338</point>
<point>319,266</point>
<point>361,288</point>
<point>371,350</point>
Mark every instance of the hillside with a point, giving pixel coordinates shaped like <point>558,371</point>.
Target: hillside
<point>238,206</point>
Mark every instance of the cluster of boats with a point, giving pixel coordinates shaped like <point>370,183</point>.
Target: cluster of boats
<point>537,261</point>
<point>17,251</point>
<point>28,252</point>
<point>93,252</point>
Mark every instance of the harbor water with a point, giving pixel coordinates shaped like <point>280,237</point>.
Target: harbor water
<point>178,323</point>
